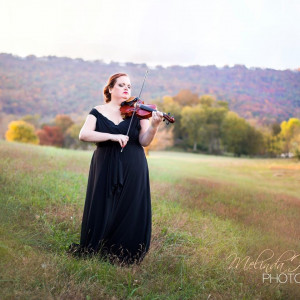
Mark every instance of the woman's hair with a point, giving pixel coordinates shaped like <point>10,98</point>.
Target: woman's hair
<point>110,84</point>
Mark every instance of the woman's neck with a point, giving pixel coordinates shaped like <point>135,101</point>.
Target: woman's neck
<point>114,105</point>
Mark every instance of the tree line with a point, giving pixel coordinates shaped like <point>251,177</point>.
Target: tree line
<point>205,124</point>
<point>202,124</point>
<point>61,132</point>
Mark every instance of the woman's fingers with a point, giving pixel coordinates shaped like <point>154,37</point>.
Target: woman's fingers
<point>157,114</point>
<point>157,117</point>
<point>123,139</point>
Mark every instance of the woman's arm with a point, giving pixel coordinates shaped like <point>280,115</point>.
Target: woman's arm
<point>148,130</point>
<point>88,133</point>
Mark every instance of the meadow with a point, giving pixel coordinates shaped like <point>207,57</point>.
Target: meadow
<point>206,210</point>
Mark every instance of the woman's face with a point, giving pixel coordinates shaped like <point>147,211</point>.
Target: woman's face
<point>121,89</point>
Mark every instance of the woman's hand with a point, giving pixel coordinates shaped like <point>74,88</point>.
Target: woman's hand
<point>157,117</point>
<point>121,138</point>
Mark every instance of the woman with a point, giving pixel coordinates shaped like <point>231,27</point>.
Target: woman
<point>117,213</point>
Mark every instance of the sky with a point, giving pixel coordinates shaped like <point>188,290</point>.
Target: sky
<point>255,33</point>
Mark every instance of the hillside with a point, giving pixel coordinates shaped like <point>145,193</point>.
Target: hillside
<point>52,85</point>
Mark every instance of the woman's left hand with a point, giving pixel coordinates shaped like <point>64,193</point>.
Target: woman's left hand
<point>157,117</point>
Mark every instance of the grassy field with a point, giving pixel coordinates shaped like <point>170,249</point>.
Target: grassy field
<point>205,210</point>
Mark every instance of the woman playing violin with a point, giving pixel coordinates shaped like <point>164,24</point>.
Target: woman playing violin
<point>116,220</point>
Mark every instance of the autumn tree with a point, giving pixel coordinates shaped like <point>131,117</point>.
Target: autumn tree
<point>192,122</point>
<point>254,141</point>
<point>72,137</point>
<point>289,130</point>
<point>21,131</point>
<point>239,137</point>
<point>275,128</point>
<point>50,135</point>
<point>295,146</point>
<point>202,123</point>
<point>215,112</point>
<point>168,105</point>
<point>32,119</point>
<point>186,97</point>
<point>272,140</point>
<point>63,122</point>
<point>207,100</point>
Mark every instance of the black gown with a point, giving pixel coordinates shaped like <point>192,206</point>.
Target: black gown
<point>117,217</point>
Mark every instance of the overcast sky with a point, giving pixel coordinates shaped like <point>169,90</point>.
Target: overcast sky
<point>256,33</point>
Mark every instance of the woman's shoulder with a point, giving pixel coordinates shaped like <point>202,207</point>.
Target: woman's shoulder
<point>99,108</point>
<point>95,111</point>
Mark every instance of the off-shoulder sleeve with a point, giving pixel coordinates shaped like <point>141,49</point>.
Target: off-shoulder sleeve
<point>94,112</point>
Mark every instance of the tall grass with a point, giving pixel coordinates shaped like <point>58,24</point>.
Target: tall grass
<point>204,208</point>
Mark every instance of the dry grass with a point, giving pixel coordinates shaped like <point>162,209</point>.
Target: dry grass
<point>204,209</point>
<point>273,213</point>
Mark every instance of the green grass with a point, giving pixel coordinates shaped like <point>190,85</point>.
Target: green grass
<point>204,208</point>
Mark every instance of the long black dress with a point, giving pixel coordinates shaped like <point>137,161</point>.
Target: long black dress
<point>117,213</point>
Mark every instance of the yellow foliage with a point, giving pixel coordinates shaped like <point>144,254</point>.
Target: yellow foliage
<point>289,130</point>
<point>21,131</point>
<point>295,143</point>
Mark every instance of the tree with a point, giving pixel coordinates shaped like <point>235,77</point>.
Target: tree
<point>50,135</point>
<point>272,139</point>
<point>20,131</point>
<point>192,121</point>
<point>32,119</point>
<point>295,146</point>
<point>168,105</point>
<point>273,144</point>
<point>207,100</point>
<point>275,128</point>
<point>72,137</point>
<point>186,97</point>
<point>215,112</point>
<point>289,130</point>
<point>63,122</point>
<point>254,141</point>
<point>239,137</point>
<point>234,132</point>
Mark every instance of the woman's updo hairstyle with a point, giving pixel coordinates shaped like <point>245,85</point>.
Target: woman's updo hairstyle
<point>110,84</point>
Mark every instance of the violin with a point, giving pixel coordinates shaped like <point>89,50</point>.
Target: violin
<point>134,105</point>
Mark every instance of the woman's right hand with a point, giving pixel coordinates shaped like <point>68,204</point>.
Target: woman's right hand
<point>121,138</point>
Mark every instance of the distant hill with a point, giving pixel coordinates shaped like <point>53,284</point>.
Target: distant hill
<point>51,85</point>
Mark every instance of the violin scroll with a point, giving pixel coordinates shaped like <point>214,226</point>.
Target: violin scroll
<point>168,118</point>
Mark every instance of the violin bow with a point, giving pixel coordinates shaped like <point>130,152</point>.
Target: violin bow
<point>135,108</point>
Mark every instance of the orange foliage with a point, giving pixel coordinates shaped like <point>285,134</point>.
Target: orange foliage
<point>63,122</point>
<point>50,135</point>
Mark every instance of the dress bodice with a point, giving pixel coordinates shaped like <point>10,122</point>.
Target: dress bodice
<point>103,124</point>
